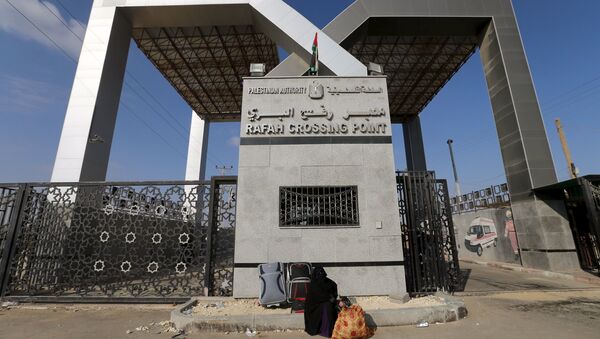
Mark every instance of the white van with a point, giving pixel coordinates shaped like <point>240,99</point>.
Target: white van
<point>481,233</point>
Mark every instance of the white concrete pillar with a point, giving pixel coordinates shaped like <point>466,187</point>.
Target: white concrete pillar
<point>86,137</point>
<point>195,168</point>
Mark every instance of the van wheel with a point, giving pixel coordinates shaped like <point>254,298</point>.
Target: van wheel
<point>495,242</point>
<point>479,250</point>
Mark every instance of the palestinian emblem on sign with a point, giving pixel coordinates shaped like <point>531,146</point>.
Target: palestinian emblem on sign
<point>316,91</point>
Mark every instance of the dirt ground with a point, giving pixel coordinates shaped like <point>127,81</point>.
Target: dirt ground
<point>530,314</point>
<point>500,305</point>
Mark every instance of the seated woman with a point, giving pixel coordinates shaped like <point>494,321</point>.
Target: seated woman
<point>319,312</point>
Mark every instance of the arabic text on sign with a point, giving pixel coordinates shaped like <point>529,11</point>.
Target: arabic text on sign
<point>254,114</point>
<point>358,89</point>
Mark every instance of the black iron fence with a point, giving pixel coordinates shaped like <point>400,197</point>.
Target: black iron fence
<point>582,198</point>
<point>8,198</point>
<point>493,196</point>
<point>429,244</point>
<point>130,240</point>
<point>167,241</point>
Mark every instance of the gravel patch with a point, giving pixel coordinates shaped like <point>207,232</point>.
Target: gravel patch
<point>251,306</point>
<point>235,307</point>
<point>381,303</point>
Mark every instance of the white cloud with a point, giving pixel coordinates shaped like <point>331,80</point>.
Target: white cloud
<point>13,22</point>
<point>234,141</point>
<point>21,95</point>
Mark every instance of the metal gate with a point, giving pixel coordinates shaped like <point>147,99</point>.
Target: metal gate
<point>582,200</point>
<point>127,241</point>
<point>429,245</point>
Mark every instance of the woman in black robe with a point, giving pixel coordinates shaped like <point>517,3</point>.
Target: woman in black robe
<point>319,312</point>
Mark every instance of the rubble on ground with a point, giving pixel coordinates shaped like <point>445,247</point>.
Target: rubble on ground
<point>160,327</point>
<point>384,302</point>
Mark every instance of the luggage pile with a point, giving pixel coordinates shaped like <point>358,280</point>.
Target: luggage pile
<point>284,284</point>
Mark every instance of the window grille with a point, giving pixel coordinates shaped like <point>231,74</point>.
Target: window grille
<point>308,206</point>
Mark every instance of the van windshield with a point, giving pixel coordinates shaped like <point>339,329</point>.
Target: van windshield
<point>475,230</point>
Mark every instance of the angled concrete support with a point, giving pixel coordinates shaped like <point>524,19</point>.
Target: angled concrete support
<point>195,168</point>
<point>413,145</point>
<point>293,65</point>
<point>87,133</point>
<point>295,33</point>
<point>543,230</point>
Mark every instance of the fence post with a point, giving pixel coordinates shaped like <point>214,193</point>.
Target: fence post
<point>208,273</point>
<point>11,237</point>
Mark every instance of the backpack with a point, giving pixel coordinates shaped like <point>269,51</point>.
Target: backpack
<point>298,279</point>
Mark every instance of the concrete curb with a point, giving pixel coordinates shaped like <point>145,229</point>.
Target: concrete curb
<point>183,319</point>
<point>548,274</point>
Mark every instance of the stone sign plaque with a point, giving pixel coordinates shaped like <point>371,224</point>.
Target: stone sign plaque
<point>315,106</point>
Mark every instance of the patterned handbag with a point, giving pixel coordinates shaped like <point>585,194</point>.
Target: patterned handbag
<point>351,324</point>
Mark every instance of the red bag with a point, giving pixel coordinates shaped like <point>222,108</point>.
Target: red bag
<point>351,324</point>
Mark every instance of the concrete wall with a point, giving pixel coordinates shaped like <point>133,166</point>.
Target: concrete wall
<point>504,249</point>
<point>359,258</point>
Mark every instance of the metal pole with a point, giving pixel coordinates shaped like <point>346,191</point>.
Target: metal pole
<point>456,182</point>
<point>563,141</point>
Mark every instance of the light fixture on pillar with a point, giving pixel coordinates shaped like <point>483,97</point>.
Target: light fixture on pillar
<point>375,69</point>
<point>258,70</point>
<point>96,139</point>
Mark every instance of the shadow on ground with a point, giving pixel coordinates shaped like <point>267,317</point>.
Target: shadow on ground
<point>480,279</point>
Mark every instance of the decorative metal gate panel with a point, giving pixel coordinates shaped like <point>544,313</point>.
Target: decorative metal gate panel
<point>7,202</point>
<point>223,206</point>
<point>9,198</point>
<point>583,207</point>
<point>151,241</point>
<point>429,245</point>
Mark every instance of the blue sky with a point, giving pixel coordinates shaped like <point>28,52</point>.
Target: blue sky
<point>560,38</point>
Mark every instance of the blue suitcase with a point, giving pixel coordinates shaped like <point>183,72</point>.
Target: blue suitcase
<point>272,284</point>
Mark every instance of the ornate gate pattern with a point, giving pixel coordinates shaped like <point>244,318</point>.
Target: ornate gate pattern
<point>429,245</point>
<point>8,200</point>
<point>583,207</point>
<point>148,240</point>
<point>222,246</point>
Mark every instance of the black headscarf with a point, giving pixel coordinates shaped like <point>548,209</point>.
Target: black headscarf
<point>321,297</point>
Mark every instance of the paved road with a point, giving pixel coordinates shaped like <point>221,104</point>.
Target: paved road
<point>530,314</point>
<point>506,304</point>
<point>479,279</point>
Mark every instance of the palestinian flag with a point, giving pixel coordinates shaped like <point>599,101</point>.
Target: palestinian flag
<point>314,61</point>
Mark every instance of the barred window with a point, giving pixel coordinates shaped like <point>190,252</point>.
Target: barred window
<point>306,206</point>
